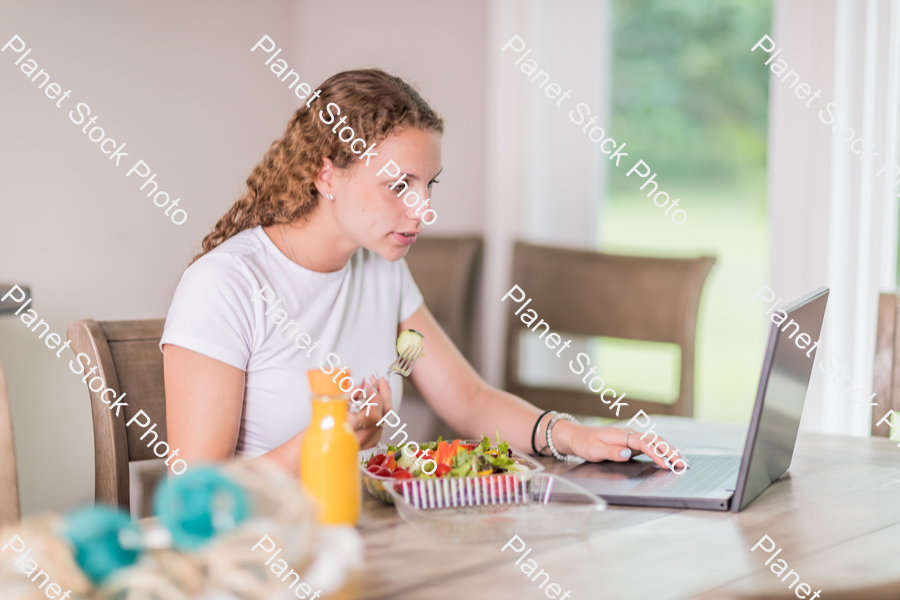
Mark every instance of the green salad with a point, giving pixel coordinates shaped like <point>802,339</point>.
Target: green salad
<point>453,459</point>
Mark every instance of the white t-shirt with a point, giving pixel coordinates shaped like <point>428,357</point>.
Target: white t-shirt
<point>219,311</point>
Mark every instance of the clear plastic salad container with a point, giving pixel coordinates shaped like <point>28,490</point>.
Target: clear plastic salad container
<point>376,484</point>
<point>547,505</point>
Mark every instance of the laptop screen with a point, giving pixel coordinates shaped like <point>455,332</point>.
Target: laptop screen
<point>783,384</point>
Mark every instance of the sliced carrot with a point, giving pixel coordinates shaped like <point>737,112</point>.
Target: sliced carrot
<point>443,456</point>
<point>391,462</point>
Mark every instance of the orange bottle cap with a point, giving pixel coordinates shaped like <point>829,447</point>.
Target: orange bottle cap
<point>321,384</point>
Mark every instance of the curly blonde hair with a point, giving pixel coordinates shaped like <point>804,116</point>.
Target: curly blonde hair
<point>281,188</point>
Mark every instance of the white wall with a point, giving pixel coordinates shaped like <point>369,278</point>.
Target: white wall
<point>177,83</point>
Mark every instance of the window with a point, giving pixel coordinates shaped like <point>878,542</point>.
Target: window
<point>689,101</point>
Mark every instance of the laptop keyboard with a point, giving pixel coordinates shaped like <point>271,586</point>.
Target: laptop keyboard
<point>707,472</point>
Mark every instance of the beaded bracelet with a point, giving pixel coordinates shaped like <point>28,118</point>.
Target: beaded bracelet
<point>535,430</point>
<point>553,449</point>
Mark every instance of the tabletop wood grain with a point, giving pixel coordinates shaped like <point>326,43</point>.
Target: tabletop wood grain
<point>835,514</point>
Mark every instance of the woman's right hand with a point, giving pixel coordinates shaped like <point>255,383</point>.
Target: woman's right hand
<point>364,426</point>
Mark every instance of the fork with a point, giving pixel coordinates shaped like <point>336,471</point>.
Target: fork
<point>404,363</point>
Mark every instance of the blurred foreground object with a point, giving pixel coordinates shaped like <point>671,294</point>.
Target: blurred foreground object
<point>221,562</point>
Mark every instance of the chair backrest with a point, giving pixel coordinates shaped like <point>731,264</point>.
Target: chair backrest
<point>127,354</point>
<point>445,269</point>
<point>596,294</point>
<point>9,478</point>
<point>887,363</point>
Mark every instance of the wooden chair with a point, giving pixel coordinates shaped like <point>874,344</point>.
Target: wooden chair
<point>9,478</point>
<point>10,306</point>
<point>595,294</point>
<point>129,360</point>
<point>445,269</point>
<point>887,363</point>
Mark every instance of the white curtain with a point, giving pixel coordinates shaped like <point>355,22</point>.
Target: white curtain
<point>544,177</point>
<point>833,219</point>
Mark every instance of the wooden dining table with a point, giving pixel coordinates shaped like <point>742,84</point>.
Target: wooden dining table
<point>835,515</point>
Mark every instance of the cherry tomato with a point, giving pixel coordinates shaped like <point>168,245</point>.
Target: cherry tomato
<point>400,473</point>
<point>442,470</point>
<point>372,468</point>
<point>382,472</point>
<point>376,460</point>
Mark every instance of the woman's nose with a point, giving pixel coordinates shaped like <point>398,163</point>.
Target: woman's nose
<point>416,203</point>
<point>423,212</point>
<point>414,212</point>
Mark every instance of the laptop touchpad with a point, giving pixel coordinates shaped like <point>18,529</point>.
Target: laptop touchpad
<point>637,469</point>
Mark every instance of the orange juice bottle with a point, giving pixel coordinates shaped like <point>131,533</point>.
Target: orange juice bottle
<point>329,467</point>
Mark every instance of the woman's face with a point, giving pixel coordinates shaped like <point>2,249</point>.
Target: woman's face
<point>369,212</point>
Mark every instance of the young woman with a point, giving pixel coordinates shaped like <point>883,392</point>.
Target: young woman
<point>321,237</point>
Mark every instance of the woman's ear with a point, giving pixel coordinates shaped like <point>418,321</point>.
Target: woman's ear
<point>324,180</point>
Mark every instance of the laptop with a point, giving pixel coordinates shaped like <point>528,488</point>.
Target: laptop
<point>718,480</point>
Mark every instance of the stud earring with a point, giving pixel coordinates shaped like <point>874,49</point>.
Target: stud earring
<point>329,196</point>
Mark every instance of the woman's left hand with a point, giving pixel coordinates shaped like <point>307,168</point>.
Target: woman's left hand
<point>609,443</point>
